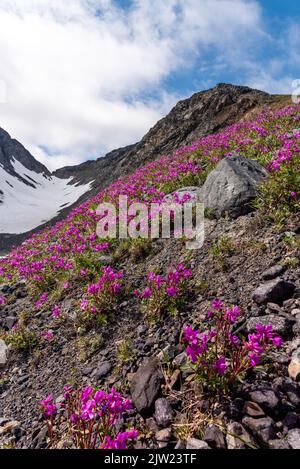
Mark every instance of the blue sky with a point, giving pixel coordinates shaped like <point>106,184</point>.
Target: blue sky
<point>83,77</point>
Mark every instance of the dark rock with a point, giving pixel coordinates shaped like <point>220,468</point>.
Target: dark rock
<point>103,370</point>
<point>231,186</point>
<point>263,428</point>
<point>10,321</point>
<point>193,443</point>
<point>290,420</point>
<point>273,272</point>
<point>214,437</point>
<point>234,408</point>
<point>237,437</point>
<point>145,386</point>
<point>163,412</point>
<point>293,438</point>
<point>87,370</point>
<point>281,325</point>
<point>265,397</point>
<point>274,291</point>
<point>180,359</point>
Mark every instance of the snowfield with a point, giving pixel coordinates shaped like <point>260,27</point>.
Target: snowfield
<point>23,207</point>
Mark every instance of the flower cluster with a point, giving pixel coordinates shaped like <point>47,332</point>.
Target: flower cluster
<point>92,416</point>
<point>102,296</point>
<point>218,356</point>
<point>164,294</point>
<point>2,301</point>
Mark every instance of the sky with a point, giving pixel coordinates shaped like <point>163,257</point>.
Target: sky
<point>83,77</point>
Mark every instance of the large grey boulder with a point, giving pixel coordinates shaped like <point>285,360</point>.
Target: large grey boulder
<point>232,185</point>
<point>145,386</point>
<point>3,354</point>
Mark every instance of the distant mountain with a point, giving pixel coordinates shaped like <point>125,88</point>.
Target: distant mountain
<point>29,191</point>
<point>29,194</point>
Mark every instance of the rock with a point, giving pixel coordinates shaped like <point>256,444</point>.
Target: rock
<point>9,427</point>
<point>3,354</point>
<point>273,308</point>
<point>180,359</point>
<point>278,444</point>
<point>10,321</point>
<point>180,445</point>
<point>163,412</point>
<point>263,428</point>
<point>193,443</point>
<point>290,420</point>
<point>214,437</point>
<point>253,409</point>
<point>237,437</point>
<point>293,438</point>
<point>274,291</point>
<point>265,397</point>
<point>231,186</point>
<point>281,325</point>
<point>163,437</point>
<point>167,353</point>
<point>273,272</point>
<point>103,370</point>
<point>141,329</point>
<point>294,369</point>
<point>290,388</point>
<point>145,386</point>
<point>87,370</point>
<point>295,312</point>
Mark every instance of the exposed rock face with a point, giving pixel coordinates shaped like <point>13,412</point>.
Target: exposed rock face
<point>230,188</point>
<point>146,386</point>
<point>11,149</point>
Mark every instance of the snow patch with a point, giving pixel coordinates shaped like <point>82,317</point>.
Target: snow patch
<point>24,207</point>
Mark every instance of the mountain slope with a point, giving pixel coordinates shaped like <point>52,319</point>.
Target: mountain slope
<point>204,113</point>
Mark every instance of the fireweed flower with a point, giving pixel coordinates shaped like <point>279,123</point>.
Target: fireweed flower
<point>56,312</point>
<point>95,418</point>
<point>217,304</point>
<point>48,408</point>
<point>221,366</point>
<point>47,335</point>
<point>41,301</point>
<point>219,357</point>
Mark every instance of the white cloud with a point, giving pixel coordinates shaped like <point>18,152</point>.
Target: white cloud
<point>81,75</point>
